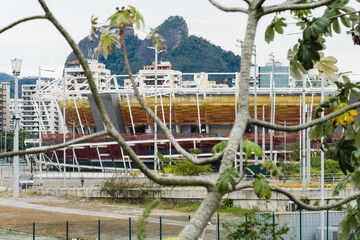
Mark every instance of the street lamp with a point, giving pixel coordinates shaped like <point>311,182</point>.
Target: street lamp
<point>16,68</point>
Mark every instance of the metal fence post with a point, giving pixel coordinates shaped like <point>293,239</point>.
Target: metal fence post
<point>327,224</point>
<point>218,227</point>
<point>33,231</point>
<point>129,228</point>
<point>300,226</point>
<point>273,218</point>
<point>98,229</point>
<point>160,229</point>
<point>67,230</point>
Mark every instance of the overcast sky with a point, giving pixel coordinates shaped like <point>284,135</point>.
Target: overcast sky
<point>38,43</point>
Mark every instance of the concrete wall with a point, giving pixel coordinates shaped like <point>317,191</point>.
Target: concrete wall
<point>244,198</point>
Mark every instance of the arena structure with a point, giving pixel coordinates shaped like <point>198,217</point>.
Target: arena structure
<point>199,108</point>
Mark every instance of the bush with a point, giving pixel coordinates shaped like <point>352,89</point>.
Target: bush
<point>182,166</point>
<point>120,186</point>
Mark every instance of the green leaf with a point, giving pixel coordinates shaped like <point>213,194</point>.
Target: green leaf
<point>355,179</point>
<point>261,187</point>
<point>277,25</point>
<point>315,28</point>
<point>272,168</point>
<point>341,185</point>
<point>142,221</point>
<point>269,34</point>
<point>345,21</point>
<point>250,147</point>
<point>308,52</point>
<point>227,177</point>
<point>336,26</point>
<point>218,148</point>
<point>348,225</point>
<point>107,40</point>
<point>316,132</point>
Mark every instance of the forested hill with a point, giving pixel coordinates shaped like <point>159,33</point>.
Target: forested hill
<point>186,53</point>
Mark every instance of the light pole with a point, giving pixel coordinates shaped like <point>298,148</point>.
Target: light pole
<point>255,101</point>
<point>40,117</point>
<point>272,103</point>
<point>155,110</point>
<point>16,68</point>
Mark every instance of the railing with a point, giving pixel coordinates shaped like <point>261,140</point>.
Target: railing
<point>302,226</point>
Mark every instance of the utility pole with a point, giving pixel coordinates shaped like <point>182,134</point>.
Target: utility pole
<point>272,103</point>
<point>16,68</point>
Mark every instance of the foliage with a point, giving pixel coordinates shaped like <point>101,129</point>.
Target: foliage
<point>219,147</point>
<point>250,147</point>
<point>182,166</point>
<point>255,228</point>
<point>227,177</point>
<point>261,187</point>
<point>126,186</point>
<point>142,221</point>
<point>349,226</point>
<point>276,25</point>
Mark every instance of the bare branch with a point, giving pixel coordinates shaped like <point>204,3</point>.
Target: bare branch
<point>21,21</point>
<point>248,2</point>
<point>228,9</point>
<point>294,6</point>
<point>306,125</point>
<point>146,107</point>
<point>174,181</point>
<point>343,14</point>
<point>53,147</point>
<point>315,208</point>
<point>259,4</point>
<point>240,187</point>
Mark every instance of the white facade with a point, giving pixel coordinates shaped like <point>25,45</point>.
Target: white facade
<point>4,106</point>
<point>166,77</point>
<point>76,72</point>
<point>37,113</point>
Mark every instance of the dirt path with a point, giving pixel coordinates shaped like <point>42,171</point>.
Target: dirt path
<point>50,215</point>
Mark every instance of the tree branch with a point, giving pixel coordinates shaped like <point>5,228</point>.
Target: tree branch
<point>21,21</point>
<point>248,2</point>
<point>240,187</point>
<point>306,125</point>
<point>162,180</point>
<point>343,14</point>
<point>54,147</point>
<point>228,9</point>
<point>294,6</point>
<point>146,107</point>
<point>315,208</point>
<point>259,4</point>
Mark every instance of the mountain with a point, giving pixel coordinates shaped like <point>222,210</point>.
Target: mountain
<point>186,53</point>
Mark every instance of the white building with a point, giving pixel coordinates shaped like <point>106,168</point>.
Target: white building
<point>37,113</point>
<point>166,77</point>
<point>4,106</point>
<point>76,72</point>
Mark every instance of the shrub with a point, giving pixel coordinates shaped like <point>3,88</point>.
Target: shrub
<point>126,187</point>
<point>182,166</point>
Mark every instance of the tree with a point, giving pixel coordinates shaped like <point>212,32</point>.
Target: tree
<point>303,56</point>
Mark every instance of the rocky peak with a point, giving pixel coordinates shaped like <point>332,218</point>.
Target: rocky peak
<point>174,29</point>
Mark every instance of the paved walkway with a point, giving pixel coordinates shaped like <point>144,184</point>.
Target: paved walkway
<point>22,203</point>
